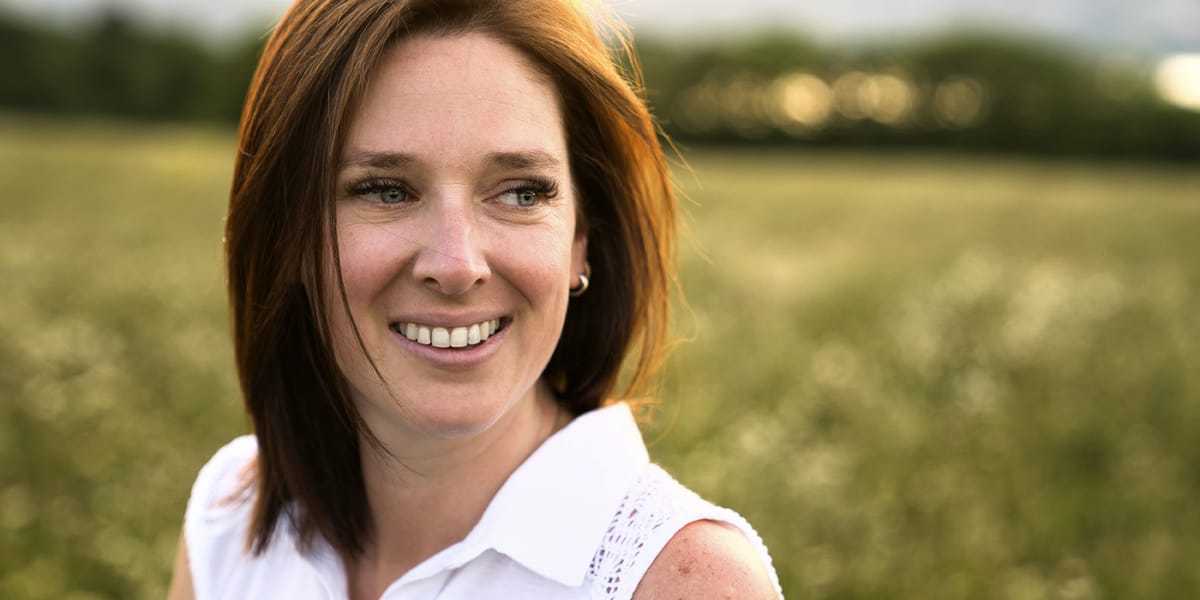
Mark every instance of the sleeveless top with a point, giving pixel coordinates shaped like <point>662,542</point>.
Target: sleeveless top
<point>582,518</point>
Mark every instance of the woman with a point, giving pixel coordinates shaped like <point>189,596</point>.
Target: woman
<point>450,221</point>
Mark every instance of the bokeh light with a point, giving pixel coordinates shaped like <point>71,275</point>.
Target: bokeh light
<point>959,101</point>
<point>1177,80</point>
<point>802,102</point>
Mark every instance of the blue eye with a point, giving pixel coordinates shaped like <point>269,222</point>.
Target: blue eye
<point>382,191</point>
<point>524,198</point>
<point>530,194</point>
<point>390,194</point>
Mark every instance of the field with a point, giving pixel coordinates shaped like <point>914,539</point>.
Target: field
<point>920,376</point>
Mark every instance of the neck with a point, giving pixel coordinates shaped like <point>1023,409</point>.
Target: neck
<point>426,494</point>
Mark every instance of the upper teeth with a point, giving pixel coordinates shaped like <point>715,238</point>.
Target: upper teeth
<point>449,337</point>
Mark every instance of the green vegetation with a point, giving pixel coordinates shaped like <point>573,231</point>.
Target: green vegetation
<point>920,376</point>
<point>966,90</point>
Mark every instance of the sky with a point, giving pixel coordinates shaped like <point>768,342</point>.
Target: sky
<point>1144,26</point>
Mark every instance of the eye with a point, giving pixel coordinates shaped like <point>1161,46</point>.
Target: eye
<point>382,192</point>
<point>529,194</point>
<point>520,197</point>
<point>390,194</point>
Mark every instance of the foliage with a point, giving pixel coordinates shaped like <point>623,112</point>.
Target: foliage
<point>115,366</point>
<point>939,377</point>
<point>1036,96</point>
<point>919,376</point>
<point>114,67</point>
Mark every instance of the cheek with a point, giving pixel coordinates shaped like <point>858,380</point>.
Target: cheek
<point>365,260</point>
<point>360,270</point>
<point>538,261</point>
<point>540,273</point>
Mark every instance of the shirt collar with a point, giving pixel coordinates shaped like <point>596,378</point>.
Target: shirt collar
<point>553,511</point>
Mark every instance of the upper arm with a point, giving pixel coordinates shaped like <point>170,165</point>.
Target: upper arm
<point>708,560</point>
<point>181,581</point>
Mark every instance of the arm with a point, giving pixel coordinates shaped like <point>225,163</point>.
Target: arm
<point>707,560</point>
<point>181,581</point>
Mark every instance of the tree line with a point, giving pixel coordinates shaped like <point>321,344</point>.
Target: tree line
<point>114,67</point>
<point>971,90</point>
<point>966,90</point>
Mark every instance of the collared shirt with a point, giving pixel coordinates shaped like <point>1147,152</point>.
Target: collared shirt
<point>582,517</point>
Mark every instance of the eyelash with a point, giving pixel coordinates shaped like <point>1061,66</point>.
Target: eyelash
<point>379,186</point>
<point>544,187</point>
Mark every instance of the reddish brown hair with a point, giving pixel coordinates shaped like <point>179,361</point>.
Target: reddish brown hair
<point>313,72</point>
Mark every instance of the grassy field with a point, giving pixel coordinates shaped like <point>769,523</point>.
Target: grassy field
<point>919,376</point>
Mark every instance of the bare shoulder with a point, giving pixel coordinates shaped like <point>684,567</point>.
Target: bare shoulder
<point>707,560</point>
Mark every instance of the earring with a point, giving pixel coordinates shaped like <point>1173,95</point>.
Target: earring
<point>578,290</point>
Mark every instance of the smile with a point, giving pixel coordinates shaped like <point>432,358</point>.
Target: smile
<point>448,337</point>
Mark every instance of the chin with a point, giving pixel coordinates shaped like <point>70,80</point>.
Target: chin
<point>460,415</point>
<point>458,425</point>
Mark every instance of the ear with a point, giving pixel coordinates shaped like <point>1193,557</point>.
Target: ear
<point>578,254</point>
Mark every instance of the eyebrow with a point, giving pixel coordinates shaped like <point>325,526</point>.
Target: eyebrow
<point>522,160</point>
<point>377,160</point>
<point>533,159</point>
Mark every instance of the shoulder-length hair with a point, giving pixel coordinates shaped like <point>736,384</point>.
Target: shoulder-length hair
<point>281,231</point>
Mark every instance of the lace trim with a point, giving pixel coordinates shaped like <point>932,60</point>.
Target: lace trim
<point>654,510</point>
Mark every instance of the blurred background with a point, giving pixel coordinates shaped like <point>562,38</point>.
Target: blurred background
<point>940,265</point>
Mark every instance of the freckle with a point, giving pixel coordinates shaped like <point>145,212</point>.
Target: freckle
<point>684,569</point>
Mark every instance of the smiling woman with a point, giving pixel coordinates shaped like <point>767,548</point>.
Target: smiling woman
<point>422,195</point>
<point>439,242</point>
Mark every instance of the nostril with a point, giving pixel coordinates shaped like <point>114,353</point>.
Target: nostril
<point>452,286</point>
<point>452,267</point>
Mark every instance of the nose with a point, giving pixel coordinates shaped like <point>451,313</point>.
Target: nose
<point>451,259</point>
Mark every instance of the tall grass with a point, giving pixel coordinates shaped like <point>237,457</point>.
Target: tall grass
<point>918,375</point>
<point>938,377</point>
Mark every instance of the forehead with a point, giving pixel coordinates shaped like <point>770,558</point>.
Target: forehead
<point>460,95</point>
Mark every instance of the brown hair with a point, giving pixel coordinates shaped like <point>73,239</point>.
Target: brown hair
<point>312,74</point>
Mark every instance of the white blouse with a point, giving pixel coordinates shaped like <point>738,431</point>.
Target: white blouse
<point>582,517</point>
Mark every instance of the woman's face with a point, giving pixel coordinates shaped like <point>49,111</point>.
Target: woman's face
<point>456,233</point>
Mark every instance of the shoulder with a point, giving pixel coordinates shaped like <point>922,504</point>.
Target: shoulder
<point>224,478</point>
<point>707,559</point>
<point>665,541</point>
<point>218,513</point>
<point>228,462</point>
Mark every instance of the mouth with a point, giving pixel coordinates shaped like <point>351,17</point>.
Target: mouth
<point>462,337</point>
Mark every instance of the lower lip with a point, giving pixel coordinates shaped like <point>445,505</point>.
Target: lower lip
<point>455,358</point>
